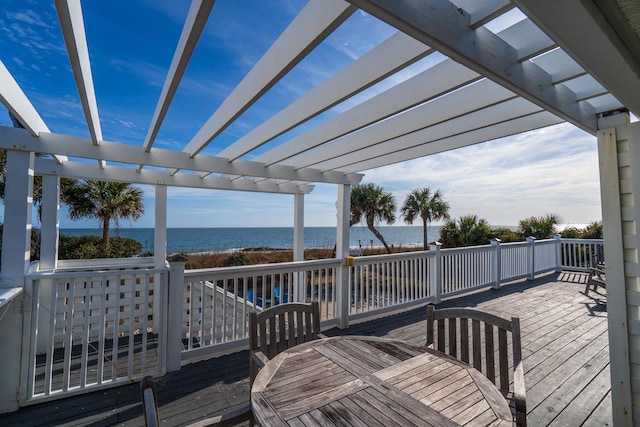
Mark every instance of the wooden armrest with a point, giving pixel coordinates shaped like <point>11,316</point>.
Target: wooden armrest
<point>260,358</point>
<point>520,395</point>
<point>321,335</point>
<point>149,402</point>
<point>229,419</point>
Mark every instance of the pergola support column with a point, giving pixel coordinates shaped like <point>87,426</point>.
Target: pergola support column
<point>50,229</point>
<point>619,160</point>
<point>16,247</point>
<point>342,250</point>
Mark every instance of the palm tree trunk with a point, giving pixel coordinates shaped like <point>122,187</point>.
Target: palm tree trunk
<point>425,243</point>
<point>378,235</point>
<point>105,235</point>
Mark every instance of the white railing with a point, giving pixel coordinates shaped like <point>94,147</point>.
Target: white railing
<point>381,282</point>
<point>118,320</point>
<point>580,254</point>
<point>93,328</point>
<point>217,301</point>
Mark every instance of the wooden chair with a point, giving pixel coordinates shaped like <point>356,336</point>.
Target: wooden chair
<point>597,278</point>
<point>279,327</point>
<point>458,332</point>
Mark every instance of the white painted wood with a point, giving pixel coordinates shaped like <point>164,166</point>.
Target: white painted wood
<point>442,25</point>
<point>154,177</point>
<point>393,54</point>
<point>18,203</point>
<point>12,97</point>
<point>50,223</point>
<point>592,42</point>
<point>130,154</point>
<point>471,105</point>
<point>481,12</point>
<point>298,227</point>
<point>426,85</point>
<point>611,177</point>
<point>160,226</point>
<point>191,31</point>
<point>316,21</point>
<point>527,39</point>
<point>478,119</point>
<point>72,25</point>
<point>519,125</point>
<point>342,250</point>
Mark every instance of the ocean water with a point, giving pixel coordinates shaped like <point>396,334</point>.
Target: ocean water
<point>185,240</point>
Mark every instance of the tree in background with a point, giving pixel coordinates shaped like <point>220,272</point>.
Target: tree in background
<point>426,205</point>
<point>469,230</point>
<point>106,201</point>
<point>593,231</point>
<point>372,204</point>
<point>540,227</point>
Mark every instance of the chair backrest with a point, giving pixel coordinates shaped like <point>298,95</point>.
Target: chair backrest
<point>282,326</point>
<point>471,336</point>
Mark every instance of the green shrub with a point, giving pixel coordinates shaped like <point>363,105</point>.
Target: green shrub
<point>235,259</point>
<point>90,247</point>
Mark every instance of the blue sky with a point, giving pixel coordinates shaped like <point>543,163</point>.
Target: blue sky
<point>131,44</point>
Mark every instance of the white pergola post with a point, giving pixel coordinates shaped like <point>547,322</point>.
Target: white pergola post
<point>159,249</point>
<point>49,237</point>
<point>50,229</point>
<point>16,240</point>
<point>160,230</point>
<point>619,159</point>
<point>298,227</point>
<point>342,250</point>
<point>16,246</point>
<point>298,246</point>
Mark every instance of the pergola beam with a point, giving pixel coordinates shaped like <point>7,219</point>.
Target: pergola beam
<point>593,42</point>
<point>458,104</point>
<point>193,26</point>
<point>48,143</point>
<point>431,83</point>
<point>310,27</point>
<point>395,53</point>
<point>511,109</point>
<point>72,25</point>
<point>155,177</point>
<point>489,133</point>
<point>15,100</point>
<point>439,23</point>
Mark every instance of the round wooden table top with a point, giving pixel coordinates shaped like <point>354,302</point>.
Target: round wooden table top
<point>371,381</point>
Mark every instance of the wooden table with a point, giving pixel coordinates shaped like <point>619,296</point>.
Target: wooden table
<point>371,381</point>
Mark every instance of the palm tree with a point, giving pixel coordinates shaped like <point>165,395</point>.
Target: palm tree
<point>371,203</point>
<point>540,227</point>
<point>430,207</point>
<point>106,201</point>
<point>469,230</point>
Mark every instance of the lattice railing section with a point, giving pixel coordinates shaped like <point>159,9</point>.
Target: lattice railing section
<point>94,329</point>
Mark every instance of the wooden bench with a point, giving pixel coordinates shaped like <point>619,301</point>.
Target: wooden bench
<point>597,278</point>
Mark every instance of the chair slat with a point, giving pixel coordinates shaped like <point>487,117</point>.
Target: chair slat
<point>489,349</point>
<point>464,340</point>
<point>453,341</point>
<point>477,344</point>
<point>503,352</point>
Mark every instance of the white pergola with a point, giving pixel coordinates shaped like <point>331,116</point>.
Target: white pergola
<point>573,61</point>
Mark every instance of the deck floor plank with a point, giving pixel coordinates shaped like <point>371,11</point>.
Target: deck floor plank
<point>565,349</point>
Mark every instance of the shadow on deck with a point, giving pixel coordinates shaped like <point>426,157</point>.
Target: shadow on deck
<point>565,349</point>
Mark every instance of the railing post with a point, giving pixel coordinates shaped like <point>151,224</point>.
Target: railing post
<point>497,263</point>
<point>174,312</point>
<point>436,273</point>
<point>558,246</point>
<point>532,257</point>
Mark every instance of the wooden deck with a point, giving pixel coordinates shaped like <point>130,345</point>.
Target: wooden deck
<point>565,350</point>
